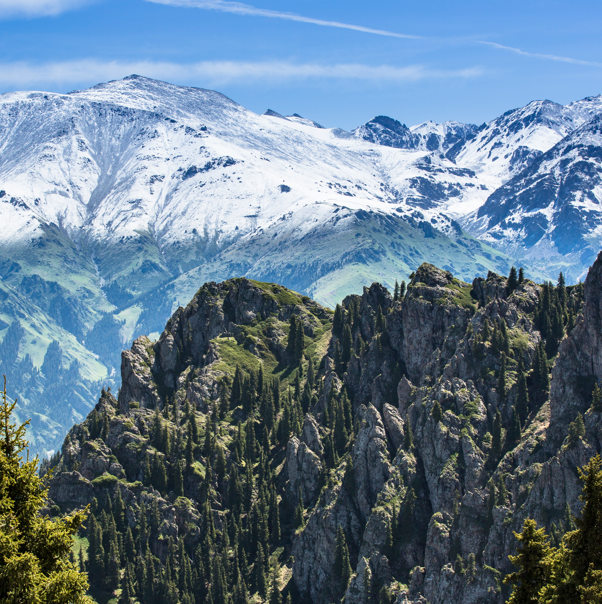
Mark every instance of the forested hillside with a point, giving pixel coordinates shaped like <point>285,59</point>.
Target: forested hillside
<point>268,449</point>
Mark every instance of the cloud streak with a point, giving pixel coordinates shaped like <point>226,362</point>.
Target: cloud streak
<point>536,55</point>
<point>245,9</point>
<point>37,8</point>
<point>214,73</point>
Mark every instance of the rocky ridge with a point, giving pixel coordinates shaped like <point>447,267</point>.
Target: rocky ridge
<point>427,427</point>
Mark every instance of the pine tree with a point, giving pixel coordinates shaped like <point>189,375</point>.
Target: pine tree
<point>299,512</point>
<point>119,511</point>
<point>159,476</point>
<point>408,437</point>
<point>396,292</point>
<point>512,280</point>
<point>561,291</point>
<point>585,544</point>
<point>311,374</point>
<point>220,463</point>
<point>388,546</point>
<point>261,584</point>
<point>178,486</point>
<point>514,429</point>
<point>437,412</point>
<point>189,449</point>
<point>496,439</point>
<point>501,383</point>
<point>485,334</point>
<point>299,342</point>
<point>521,275</point>
<point>522,395</point>
<point>349,478</point>
<point>337,323</point>
<point>347,344</point>
<point>275,596</point>
<point>208,444</point>
<point>576,431</point>
<point>531,560</point>
<point>402,290</point>
<point>342,567</point>
<point>540,377</point>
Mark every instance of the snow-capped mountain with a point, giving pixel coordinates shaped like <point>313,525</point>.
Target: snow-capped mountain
<point>428,136</point>
<point>119,201</point>
<point>551,212</point>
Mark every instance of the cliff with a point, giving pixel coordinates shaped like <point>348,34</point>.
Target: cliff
<point>423,426</point>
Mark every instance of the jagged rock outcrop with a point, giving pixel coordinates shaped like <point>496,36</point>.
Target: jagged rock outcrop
<point>304,463</point>
<point>579,363</point>
<point>406,438</point>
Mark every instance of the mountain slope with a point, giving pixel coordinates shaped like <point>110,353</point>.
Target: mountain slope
<point>123,198</point>
<point>552,209</point>
<point>264,434</point>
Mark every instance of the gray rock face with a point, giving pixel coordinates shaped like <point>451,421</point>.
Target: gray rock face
<point>370,460</point>
<point>394,425</point>
<point>427,503</point>
<point>579,363</point>
<point>303,467</point>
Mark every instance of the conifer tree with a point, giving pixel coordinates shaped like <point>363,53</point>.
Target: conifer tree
<point>338,321</point>
<point>514,430</point>
<point>292,336</point>
<point>220,463</point>
<point>261,584</point>
<point>159,476</point>
<point>402,290</point>
<point>299,512</point>
<point>347,345</point>
<point>496,438</point>
<point>299,342</point>
<point>522,395</point>
<point>349,477</point>
<point>531,561</point>
<point>512,280</point>
<point>485,332</point>
<point>396,292</point>
<point>576,430</point>
<point>275,596</point>
<point>540,377</point>
<point>178,486</point>
<point>501,383</point>
<point>437,412</point>
<point>561,291</point>
<point>521,275</point>
<point>311,374</point>
<point>342,567</point>
<point>408,437</point>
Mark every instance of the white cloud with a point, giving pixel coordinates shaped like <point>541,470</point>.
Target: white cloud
<point>37,8</point>
<point>212,73</point>
<point>536,55</point>
<point>245,9</point>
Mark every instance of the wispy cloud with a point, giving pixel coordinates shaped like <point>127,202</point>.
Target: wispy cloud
<point>245,9</point>
<point>537,55</point>
<point>213,73</point>
<point>37,8</point>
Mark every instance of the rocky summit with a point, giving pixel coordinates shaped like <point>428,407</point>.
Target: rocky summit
<point>265,448</point>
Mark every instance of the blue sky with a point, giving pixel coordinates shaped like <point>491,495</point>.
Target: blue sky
<point>339,63</point>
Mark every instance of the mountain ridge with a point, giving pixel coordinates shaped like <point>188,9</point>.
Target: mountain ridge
<point>424,426</point>
<point>122,198</point>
